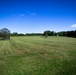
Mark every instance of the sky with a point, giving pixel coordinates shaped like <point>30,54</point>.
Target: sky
<point>36,16</point>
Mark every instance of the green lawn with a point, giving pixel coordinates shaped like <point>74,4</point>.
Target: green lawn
<point>37,55</point>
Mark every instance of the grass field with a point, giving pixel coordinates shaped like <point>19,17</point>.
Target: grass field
<point>36,55</point>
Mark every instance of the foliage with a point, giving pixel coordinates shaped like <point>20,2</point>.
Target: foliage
<point>49,33</point>
<point>5,33</point>
<point>68,33</point>
<point>17,34</point>
<point>33,34</point>
<point>27,34</point>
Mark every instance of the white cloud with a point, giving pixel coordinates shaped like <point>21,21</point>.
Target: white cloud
<point>74,25</point>
<point>21,14</point>
<point>33,13</point>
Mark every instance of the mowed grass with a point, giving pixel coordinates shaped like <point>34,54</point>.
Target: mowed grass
<point>37,55</point>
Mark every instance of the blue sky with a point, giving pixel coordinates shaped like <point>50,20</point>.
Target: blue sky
<point>36,16</point>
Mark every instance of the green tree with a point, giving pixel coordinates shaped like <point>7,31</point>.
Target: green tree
<point>5,33</point>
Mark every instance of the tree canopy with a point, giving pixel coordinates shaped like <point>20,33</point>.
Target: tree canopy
<point>5,33</point>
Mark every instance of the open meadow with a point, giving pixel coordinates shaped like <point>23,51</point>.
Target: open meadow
<point>37,55</point>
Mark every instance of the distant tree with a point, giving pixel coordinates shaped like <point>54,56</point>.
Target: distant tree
<point>47,33</point>
<point>5,33</point>
<point>15,34</point>
<point>67,33</point>
<point>52,33</point>
<point>34,34</point>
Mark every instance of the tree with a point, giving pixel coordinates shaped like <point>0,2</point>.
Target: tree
<point>46,35</point>
<point>15,34</point>
<point>68,33</point>
<point>49,33</point>
<point>5,33</point>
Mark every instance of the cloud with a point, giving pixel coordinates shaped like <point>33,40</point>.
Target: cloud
<point>33,13</point>
<point>73,26</point>
<point>21,14</point>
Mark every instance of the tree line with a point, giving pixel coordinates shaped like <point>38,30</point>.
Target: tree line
<point>68,33</point>
<point>5,33</point>
<point>62,33</point>
<point>27,34</point>
<point>48,33</point>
